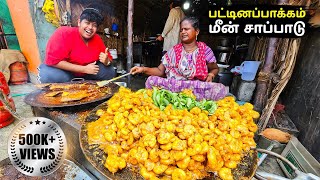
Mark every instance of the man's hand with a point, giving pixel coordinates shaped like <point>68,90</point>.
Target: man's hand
<point>91,68</point>
<point>159,38</point>
<point>104,58</point>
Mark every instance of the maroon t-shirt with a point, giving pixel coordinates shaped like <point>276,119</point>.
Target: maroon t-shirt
<point>66,44</point>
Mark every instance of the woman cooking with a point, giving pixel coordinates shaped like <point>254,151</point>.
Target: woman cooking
<point>188,65</point>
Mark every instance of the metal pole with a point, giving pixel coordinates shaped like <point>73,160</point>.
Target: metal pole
<point>69,13</point>
<point>130,43</point>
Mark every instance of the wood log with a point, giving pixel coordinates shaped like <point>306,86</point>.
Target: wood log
<point>260,98</point>
<point>284,78</point>
<point>130,40</point>
<point>251,47</point>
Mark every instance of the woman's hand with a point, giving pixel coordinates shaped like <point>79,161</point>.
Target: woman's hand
<point>103,57</point>
<point>137,70</point>
<point>91,68</point>
<point>210,77</point>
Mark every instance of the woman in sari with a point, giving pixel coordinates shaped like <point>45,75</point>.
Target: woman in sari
<point>188,65</point>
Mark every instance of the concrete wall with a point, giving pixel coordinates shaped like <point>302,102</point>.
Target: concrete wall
<point>32,30</point>
<point>7,26</point>
<point>22,21</point>
<point>301,96</point>
<point>43,28</point>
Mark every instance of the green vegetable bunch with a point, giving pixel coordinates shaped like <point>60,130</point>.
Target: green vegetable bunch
<point>162,98</point>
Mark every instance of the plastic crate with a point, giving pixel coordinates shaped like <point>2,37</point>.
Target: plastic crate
<point>298,155</point>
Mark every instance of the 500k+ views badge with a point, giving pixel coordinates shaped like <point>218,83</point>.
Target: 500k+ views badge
<point>37,146</point>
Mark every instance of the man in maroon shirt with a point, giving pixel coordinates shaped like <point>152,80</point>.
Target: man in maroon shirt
<point>77,52</point>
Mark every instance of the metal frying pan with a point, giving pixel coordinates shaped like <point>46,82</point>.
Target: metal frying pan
<point>96,156</point>
<point>37,98</point>
<point>68,170</point>
<point>245,170</point>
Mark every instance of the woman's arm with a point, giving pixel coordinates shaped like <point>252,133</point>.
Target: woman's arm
<point>213,70</point>
<point>157,71</point>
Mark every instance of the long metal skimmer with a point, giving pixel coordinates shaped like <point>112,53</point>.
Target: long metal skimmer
<point>5,101</point>
<point>105,82</point>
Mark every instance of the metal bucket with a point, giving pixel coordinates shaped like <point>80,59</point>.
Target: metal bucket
<point>124,84</point>
<point>113,53</point>
<point>264,143</point>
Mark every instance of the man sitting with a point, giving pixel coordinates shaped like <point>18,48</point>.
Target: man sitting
<point>77,52</point>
